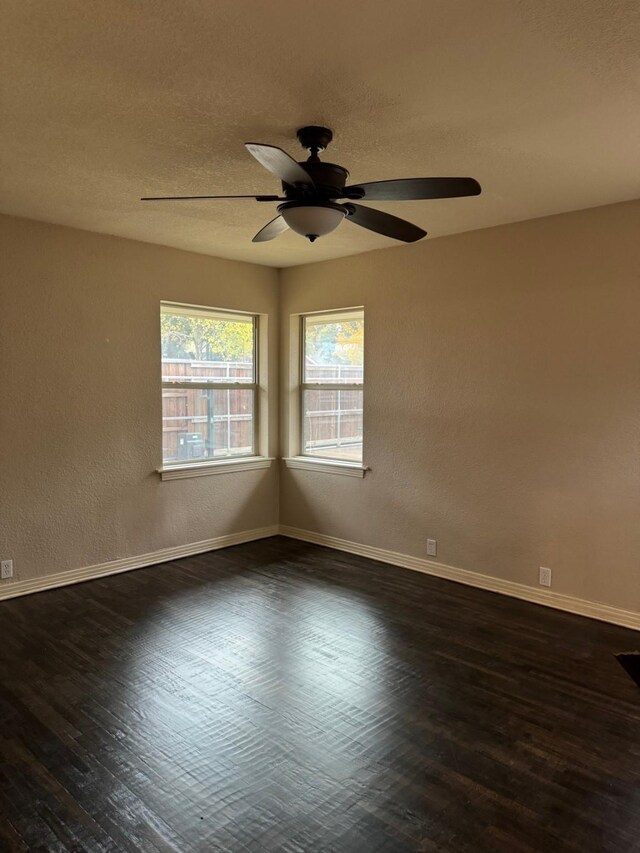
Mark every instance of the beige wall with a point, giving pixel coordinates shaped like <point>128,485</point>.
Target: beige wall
<point>502,405</point>
<point>502,401</point>
<point>80,403</point>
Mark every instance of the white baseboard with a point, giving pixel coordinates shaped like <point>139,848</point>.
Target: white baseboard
<point>164,555</point>
<point>595,610</point>
<point>592,609</point>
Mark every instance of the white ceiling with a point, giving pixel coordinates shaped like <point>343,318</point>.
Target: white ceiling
<point>103,102</point>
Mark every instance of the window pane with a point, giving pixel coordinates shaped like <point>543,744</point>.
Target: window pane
<point>207,347</point>
<point>201,424</point>
<point>333,348</point>
<point>333,424</point>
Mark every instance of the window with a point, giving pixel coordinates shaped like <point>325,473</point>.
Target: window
<point>209,384</point>
<point>332,373</point>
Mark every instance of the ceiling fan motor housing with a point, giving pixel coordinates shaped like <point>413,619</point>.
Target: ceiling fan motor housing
<point>328,178</point>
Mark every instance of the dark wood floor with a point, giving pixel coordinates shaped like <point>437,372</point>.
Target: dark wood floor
<point>279,696</point>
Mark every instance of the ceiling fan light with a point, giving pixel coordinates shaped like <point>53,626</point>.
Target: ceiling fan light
<point>313,220</point>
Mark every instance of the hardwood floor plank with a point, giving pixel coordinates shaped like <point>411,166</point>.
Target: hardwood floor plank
<point>280,696</point>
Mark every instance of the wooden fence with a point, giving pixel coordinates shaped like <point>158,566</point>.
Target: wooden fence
<point>204,423</point>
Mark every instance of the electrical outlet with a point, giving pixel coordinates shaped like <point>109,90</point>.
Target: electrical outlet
<point>432,548</point>
<point>544,578</point>
<point>6,569</point>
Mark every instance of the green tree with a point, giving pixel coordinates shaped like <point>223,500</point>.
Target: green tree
<point>335,343</point>
<point>350,341</point>
<point>206,339</point>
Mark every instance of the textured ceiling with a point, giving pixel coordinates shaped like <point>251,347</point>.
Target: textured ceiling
<point>103,102</point>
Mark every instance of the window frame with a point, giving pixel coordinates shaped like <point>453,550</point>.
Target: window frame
<point>304,459</point>
<point>180,469</point>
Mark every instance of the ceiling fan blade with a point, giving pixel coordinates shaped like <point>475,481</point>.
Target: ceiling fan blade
<point>407,189</point>
<point>279,163</point>
<point>384,223</point>
<point>204,197</point>
<point>271,230</point>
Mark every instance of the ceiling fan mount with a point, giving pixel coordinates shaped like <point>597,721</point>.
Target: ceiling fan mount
<point>314,138</point>
<point>312,190</point>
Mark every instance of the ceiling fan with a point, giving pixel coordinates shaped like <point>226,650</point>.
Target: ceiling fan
<point>310,205</point>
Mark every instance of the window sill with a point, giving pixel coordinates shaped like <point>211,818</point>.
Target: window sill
<point>326,466</point>
<point>221,466</point>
